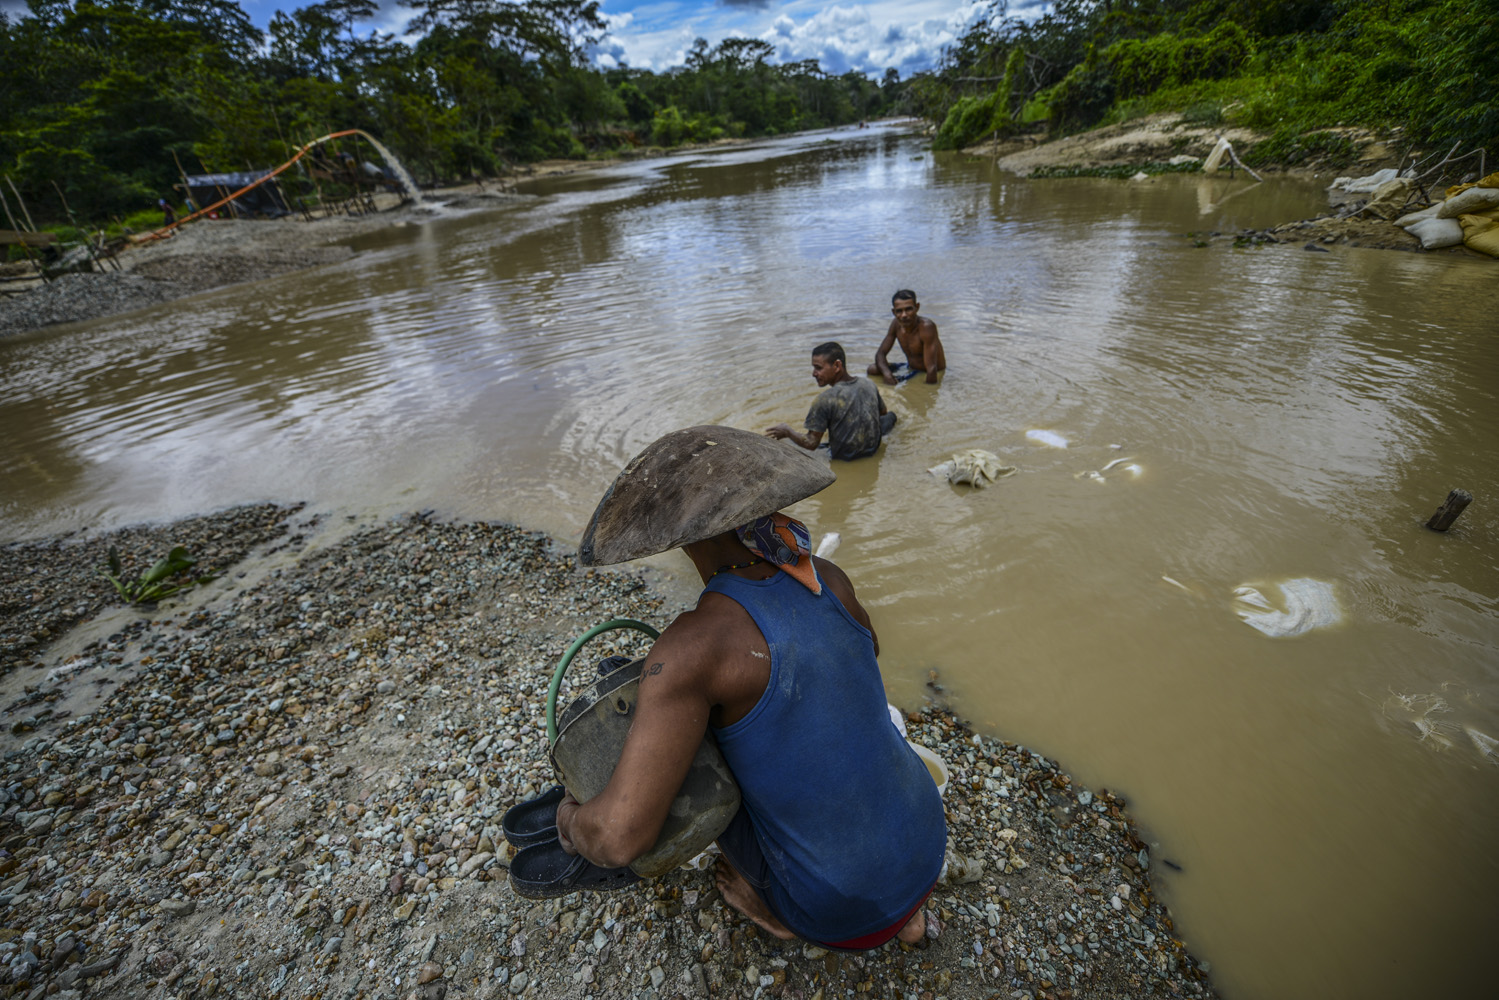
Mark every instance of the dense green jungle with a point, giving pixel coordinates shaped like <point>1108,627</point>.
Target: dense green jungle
<point>105,105</point>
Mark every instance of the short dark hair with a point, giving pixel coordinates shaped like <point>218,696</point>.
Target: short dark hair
<point>832,350</point>
<point>904,293</point>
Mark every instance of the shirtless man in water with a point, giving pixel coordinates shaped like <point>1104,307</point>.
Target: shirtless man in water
<point>918,338</point>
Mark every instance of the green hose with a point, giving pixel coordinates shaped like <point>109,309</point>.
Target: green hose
<point>567,658</point>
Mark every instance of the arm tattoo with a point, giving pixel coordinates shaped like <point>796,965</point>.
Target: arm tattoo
<point>655,668</point>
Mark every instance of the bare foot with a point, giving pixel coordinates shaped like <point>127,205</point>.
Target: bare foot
<point>914,930</point>
<point>742,896</point>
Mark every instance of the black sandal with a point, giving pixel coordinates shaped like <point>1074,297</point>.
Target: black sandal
<point>545,871</point>
<point>533,821</point>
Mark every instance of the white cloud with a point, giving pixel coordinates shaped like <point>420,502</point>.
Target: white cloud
<point>868,38</point>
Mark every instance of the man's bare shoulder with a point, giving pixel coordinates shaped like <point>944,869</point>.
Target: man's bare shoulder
<point>699,637</point>
<point>928,327</point>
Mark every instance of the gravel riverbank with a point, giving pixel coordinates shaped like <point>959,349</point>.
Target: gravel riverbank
<point>290,783</point>
<point>210,254</point>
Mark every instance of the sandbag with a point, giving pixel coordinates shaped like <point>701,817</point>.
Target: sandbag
<point>1429,212</point>
<point>1216,157</point>
<point>1437,233</point>
<point>1360,185</point>
<point>1491,181</point>
<point>1473,200</point>
<point>1481,234</point>
<point>1389,198</point>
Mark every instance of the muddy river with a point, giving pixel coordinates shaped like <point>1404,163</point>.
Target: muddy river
<point>1322,805</point>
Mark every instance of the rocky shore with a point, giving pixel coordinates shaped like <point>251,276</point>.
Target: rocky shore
<point>202,255</point>
<point>289,783</point>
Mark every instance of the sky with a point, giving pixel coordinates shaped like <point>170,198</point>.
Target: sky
<point>868,36</point>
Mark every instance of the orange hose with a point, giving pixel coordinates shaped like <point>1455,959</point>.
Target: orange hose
<point>164,230</point>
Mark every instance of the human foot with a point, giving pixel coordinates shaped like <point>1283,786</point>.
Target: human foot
<point>914,930</point>
<point>921,925</point>
<point>742,896</point>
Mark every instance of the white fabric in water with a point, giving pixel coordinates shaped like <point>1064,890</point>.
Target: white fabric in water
<point>974,466</point>
<point>1309,604</point>
<point>1049,438</point>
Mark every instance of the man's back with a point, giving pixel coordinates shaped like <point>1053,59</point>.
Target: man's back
<point>849,411</point>
<point>848,819</point>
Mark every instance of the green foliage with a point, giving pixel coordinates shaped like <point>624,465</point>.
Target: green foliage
<point>1141,66</point>
<point>98,95</point>
<point>1292,67</point>
<point>968,121</point>
<point>168,576</point>
<point>1082,96</point>
<point>1293,149</point>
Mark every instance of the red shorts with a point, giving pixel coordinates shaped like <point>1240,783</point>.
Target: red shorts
<point>867,941</point>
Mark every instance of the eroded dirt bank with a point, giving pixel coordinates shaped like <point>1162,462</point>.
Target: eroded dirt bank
<point>1162,138</point>
<point>290,783</point>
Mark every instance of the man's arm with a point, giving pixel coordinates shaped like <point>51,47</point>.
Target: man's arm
<point>809,440</point>
<point>936,361</point>
<point>623,821</point>
<point>881,359</point>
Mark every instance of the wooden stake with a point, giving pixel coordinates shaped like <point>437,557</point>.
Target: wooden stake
<point>1457,501</point>
<point>88,242</point>
<point>22,203</point>
<point>25,247</point>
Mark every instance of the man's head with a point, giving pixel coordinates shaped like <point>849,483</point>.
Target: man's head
<point>904,306</point>
<point>829,364</point>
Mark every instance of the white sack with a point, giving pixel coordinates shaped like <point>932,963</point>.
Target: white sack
<point>1430,212</point>
<point>1470,201</point>
<point>1309,604</point>
<point>1437,233</point>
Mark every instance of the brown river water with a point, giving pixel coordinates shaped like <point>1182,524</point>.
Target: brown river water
<point>1328,802</point>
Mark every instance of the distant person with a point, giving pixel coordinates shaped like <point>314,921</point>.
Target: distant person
<point>849,410</point>
<point>167,214</point>
<point>918,339</point>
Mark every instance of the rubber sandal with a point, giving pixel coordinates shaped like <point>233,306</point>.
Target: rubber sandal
<point>545,871</point>
<point>533,821</point>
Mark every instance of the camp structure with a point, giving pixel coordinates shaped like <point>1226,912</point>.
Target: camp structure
<point>257,180</point>
<point>264,199</point>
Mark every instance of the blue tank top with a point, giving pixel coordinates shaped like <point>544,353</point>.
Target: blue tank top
<point>846,814</point>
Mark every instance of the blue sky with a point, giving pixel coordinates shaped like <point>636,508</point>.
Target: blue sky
<point>863,35</point>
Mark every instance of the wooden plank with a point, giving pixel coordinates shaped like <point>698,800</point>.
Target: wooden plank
<point>10,237</point>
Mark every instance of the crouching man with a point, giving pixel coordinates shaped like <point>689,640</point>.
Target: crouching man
<point>840,835</point>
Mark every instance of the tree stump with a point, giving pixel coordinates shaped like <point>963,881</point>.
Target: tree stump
<point>1456,502</point>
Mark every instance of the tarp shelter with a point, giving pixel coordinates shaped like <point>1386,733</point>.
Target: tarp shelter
<point>266,200</point>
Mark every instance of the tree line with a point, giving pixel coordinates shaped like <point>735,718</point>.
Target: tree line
<point>1295,69</point>
<point>105,103</point>
<point>112,101</point>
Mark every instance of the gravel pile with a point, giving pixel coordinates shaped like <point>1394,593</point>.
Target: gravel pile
<point>295,790</point>
<point>202,255</point>
<point>73,298</point>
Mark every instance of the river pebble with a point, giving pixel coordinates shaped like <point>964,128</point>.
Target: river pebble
<point>345,843</point>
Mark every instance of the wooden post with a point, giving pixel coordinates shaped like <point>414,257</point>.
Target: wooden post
<point>25,247</point>
<point>21,203</point>
<point>88,243</point>
<point>1456,502</point>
